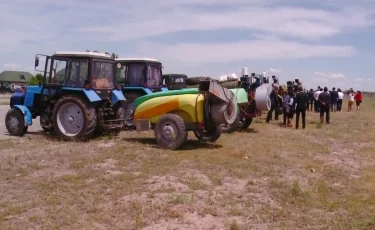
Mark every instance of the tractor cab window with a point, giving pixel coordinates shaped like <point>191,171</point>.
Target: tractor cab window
<point>121,74</point>
<point>136,75</point>
<point>154,76</point>
<point>76,73</point>
<point>102,75</point>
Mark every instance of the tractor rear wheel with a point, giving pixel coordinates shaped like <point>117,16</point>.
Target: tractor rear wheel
<point>208,135</point>
<point>15,123</point>
<point>73,118</point>
<point>170,131</point>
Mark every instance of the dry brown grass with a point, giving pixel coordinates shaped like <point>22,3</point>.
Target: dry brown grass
<point>264,178</point>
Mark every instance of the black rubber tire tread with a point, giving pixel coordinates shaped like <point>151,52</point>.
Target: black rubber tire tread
<point>246,123</point>
<point>46,129</point>
<point>232,127</point>
<point>181,131</point>
<point>210,136</point>
<point>15,113</point>
<point>89,114</point>
<point>24,131</point>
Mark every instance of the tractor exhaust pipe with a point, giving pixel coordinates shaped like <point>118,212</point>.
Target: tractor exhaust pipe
<point>223,102</point>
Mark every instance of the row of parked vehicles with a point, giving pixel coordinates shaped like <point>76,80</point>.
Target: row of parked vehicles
<point>83,93</point>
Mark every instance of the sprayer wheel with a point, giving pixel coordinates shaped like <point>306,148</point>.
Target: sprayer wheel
<point>210,135</point>
<point>230,128</point>
<point>170,131</point>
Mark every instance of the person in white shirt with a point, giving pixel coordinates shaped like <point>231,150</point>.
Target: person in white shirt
<point>316,96</point>
<point>351,99</point>
<point>340,99</point>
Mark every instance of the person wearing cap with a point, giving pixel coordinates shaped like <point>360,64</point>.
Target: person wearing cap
<point>325,103</point>
<point>302,103</point>
<point>334,99</point>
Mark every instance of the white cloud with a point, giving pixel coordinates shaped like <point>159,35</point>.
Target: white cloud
<point>272,70</point>
<point>243,50</point>
<point>368,79</point>
<point>337,75</point>
<point>11,66</point>
<point>359,79</point>
<point>329,75</point>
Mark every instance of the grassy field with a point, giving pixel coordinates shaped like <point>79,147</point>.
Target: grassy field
<point>266,177</point>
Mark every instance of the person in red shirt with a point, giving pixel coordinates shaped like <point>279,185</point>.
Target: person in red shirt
<point>358,99</point>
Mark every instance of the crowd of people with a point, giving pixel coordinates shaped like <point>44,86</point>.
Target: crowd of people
<point>294,100</point>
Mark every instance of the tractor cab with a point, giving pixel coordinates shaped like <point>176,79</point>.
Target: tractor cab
<point>79,70</point>
<point>142,75</point>
<point>175,81</point>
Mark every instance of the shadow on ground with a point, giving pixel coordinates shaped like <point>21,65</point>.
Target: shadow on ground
<point>188,145</point>
<point>248,131</point>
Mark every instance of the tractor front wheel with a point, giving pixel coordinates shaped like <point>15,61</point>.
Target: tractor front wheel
<point>208,135</point>
<point>73,118</point>
<point>15,123</point>
<point>170,131</point>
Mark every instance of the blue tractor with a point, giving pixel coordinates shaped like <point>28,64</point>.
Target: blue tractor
<point>77,97</point>
<point>138,77</point>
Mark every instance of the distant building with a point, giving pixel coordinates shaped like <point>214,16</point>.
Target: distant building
<point>14,79</point>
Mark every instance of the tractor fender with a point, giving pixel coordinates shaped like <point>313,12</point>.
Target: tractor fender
<point>26,114</point>
<point>130,89</point>
<point>91,95</point>
<point>117,96</point>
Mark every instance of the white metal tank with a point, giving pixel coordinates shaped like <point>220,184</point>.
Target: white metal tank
<point>244,71</point>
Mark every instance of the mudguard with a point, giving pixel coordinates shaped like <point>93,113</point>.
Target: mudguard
<point>90,94</point>
<point>26,114</point>
<point>117,96</point>
<point>146,90</point>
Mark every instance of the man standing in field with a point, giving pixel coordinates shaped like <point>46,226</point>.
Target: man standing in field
<point>340,98</point>
<point>302,103</point>
<point>325,101</point>
<point>316,97</point>
<point>334,98</point>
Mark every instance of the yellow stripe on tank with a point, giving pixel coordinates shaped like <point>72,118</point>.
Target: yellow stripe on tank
<point>183,105</point>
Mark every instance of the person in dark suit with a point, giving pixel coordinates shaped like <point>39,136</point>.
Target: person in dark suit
<point>310,95</point>
<point>325,104</point>
<point>302,103</point>
<point>334,99</point>
<point>274,103</point>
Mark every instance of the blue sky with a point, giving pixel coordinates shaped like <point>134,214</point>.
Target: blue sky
<point>325,43</point>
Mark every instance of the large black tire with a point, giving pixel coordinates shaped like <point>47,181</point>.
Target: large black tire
<point>230,128</point>
<point>244,124</point>
<point>210,136</point>
<point>14,122</point>
<point>170,131</point>
<point>46,129</point>
<point>89,118</point>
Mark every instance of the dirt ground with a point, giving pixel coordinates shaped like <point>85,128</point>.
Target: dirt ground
<point>267,177</point>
